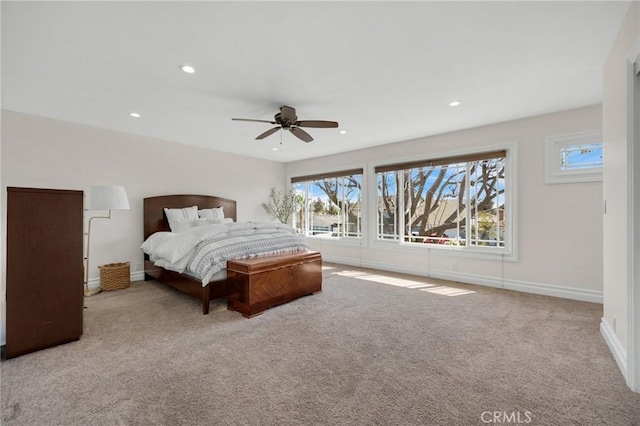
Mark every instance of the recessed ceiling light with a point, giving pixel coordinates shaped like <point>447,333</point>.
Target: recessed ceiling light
<point>454,103</point>
<point>343,132</point>
<point>188,69</point>
<point>274,149</point>
<point>134,115</point>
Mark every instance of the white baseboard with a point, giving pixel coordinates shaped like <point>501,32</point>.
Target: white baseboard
<point>94,283</point>
<point>523,286</point>
<point>137,276</point>
<point>616,348</point>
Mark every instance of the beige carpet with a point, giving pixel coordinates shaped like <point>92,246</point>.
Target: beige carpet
<point>372,349</point>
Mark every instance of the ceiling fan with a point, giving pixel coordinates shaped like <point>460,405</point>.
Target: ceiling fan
<point>287,119</point>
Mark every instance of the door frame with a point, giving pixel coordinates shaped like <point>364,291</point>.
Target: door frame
<point>633,158</point>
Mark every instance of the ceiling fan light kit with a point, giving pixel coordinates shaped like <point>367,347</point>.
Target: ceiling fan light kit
<point>287,119</point>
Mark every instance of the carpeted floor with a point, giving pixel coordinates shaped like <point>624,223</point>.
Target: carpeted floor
<point>373,348</point>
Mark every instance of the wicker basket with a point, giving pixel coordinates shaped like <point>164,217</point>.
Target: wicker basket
<point>114,276</point>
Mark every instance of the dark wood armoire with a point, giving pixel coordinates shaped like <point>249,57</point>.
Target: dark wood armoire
<point>44,268</point>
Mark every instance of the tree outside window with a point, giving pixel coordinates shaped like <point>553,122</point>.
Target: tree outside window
<point>331,204</point>
<point>453,202</point>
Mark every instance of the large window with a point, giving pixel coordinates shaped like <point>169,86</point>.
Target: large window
<point>330,204</point>
<point>455,201</point>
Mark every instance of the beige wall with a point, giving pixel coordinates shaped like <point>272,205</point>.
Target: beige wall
<point>559,226</point>
<point>45,153</point>
<point>615,184</point>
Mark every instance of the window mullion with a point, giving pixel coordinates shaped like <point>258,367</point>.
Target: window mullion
<point>467,198</point>
<point>497,213</point>
<point>307,218</point>
<point>340,190</point>
<point>400,208</point>
<point>457,243</point>
<point>497,219</point>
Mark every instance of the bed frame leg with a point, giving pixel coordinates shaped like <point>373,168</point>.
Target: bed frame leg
<point>205,300</point>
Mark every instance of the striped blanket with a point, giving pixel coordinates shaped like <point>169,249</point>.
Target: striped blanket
<point>204,251</point>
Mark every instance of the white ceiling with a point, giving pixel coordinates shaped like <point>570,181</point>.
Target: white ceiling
<point>386,71</point>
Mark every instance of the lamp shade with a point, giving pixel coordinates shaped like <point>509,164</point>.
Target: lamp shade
<point>108,198</point>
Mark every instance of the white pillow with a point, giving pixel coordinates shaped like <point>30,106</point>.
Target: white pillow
<point>174,215</point>
<point>216,213</point>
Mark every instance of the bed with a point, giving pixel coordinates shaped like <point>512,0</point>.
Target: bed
<point>305,266</point>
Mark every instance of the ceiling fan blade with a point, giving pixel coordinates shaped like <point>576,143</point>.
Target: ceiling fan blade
<point>288,114</point>
<point>301,134</point>
<point>321,124</point>
<point>256,121</point>
<point>268,132</point>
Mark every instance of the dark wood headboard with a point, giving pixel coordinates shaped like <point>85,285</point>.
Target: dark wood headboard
<point>155,219</point>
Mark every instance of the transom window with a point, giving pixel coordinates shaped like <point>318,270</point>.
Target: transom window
<point>574,158</point>
<point>330,204</point>
<point>455,201</point>
<point>580,156</point>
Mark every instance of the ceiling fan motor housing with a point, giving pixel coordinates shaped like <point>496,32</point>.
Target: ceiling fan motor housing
<point>286,117</point>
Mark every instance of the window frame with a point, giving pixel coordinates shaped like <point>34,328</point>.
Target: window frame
<point>507,253</point>
<point>340,174</point>
<point>553,173</point>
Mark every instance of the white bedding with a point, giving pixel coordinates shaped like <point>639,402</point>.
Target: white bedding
<point>202,251</point>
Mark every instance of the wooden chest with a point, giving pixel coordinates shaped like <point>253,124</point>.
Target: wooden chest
<point>254,285</point>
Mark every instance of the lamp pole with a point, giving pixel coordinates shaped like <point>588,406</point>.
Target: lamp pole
<point>88,292</point>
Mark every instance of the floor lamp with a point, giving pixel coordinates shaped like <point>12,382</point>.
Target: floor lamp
<point>102,198</point>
